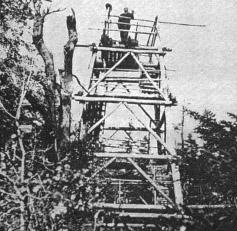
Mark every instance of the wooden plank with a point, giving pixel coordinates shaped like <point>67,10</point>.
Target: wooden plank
<point>178,192</point>
<point>139,47</point>
<point>127,70</point>
<point>132,155</point>
<point>117,100</point>
<point>120,225</point>
<point>125,80</point>
<point>153,215</point>
<point>136,19</point>
<point>182,24</point>
<point>125,50</point>
<point>115,181</point>
<point>220,206</point>
<point>164,84</point>
<point>128,206</point>
<point>130,31</point>
<point>107,73</point>
<point>150,65</point>
<point>131,24</point>
<point>127,128</point>
<point>155,185</point>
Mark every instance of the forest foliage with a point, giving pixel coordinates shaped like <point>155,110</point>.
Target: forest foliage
<point>209,170</point>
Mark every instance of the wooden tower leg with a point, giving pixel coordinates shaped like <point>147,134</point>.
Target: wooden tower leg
<point>160,118</point>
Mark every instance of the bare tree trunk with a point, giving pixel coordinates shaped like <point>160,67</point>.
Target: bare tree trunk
<point>60,120</point>
<point>67,81</point>
<point>49,63</point>
<point>50,86</point>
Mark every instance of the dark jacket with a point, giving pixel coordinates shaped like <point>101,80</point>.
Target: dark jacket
<point>125,20</point>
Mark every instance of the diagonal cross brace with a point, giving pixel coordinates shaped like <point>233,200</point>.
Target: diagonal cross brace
<point>148,76</point>
<point>170,150</point>
<point>174,167</point>
<point>103,167</point>
<point>107,73</point>
<point>155,185</point>
<point>147,114</point>
<point>102,119</point>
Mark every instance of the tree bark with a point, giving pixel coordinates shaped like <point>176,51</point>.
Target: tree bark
<point>50,86</point>
<point>60,119</point>
<point>48,61</point>
<point>67,82</point>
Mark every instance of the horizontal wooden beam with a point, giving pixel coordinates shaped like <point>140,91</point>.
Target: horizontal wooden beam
<point>127,70</point>
<point>119,30</point>
<point>128,206</point>
<point>118,100</point>
<point>117,181</point>
<point>130,31</point>
<point>131,24</point>
<point>150,65</point>
<point>125,80</point>
<point>153,215</point>
<point>136,19</point>
<point>139,47</point>
<point>220,206</point>
<point>132,155</point>
<point>120,225</point>
<point>126,128</point>
<point>182,24</point>
<point>125,50</point>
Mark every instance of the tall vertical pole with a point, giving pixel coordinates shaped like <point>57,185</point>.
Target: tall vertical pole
<point>174,168</point>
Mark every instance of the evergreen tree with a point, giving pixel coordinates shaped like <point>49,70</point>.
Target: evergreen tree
<point>209,171</point>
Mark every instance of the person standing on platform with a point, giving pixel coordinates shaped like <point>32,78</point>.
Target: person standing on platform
<point>124,24</point>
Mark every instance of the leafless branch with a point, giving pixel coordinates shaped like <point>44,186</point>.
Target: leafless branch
<point>9,211</point>
<point>7,177</point>
<point>12,165</point>
<point>23,93</point>
<point>18,114</point>
<point>6,111</point>
<point>41,182</point>
<point>13,183</point>
<point>9,194</point>
<point>36,198</point>
<point>48,12</point>
<point>37,7</point>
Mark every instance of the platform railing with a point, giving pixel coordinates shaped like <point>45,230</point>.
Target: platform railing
<point>152,34</point>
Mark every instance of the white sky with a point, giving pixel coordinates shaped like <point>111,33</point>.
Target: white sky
<point>205,59</point>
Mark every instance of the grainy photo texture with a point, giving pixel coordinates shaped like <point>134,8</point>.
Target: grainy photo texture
<point>118,115</point>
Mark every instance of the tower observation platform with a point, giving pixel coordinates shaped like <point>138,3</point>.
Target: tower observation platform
<point>135,178</point>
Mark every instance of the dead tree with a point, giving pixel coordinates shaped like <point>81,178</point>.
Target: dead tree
<point>67,82</point>
<point>58,117</point>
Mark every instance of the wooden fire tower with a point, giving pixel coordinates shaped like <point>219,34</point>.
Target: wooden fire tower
<point>135,179</point>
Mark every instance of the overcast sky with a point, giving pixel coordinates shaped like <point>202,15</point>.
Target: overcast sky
<point>205,59</point>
